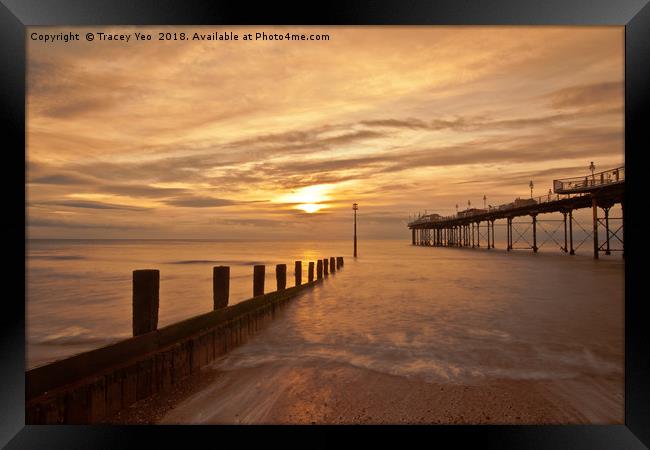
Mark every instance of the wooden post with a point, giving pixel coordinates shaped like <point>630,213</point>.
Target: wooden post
<point>342,261</point>
<point>220,286</point>
<point>332,264</point>
<point>258,280</point>
<point>319,269</point>
<point>325,267</point>
<point>281,276</point>
<point>146,299</point>
<point>339,262</point>
<point>310,271</point>
<point>298,273</point>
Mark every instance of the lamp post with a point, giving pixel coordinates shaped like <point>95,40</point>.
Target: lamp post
<point>484,202</point>
<point>593,177</point>
<point>456,208</point>
<point>531,185</point>
<point>355,207</point>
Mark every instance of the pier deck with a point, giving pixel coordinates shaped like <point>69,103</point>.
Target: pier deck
<point>602,190</point>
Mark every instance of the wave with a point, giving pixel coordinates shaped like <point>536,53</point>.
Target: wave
<point>56,257</point>
<point>75,336</point>
<point>215,261</point>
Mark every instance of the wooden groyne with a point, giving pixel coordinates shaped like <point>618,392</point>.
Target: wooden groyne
<point>93,386</point>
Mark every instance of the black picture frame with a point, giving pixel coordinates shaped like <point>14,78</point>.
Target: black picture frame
<point>15,15</point>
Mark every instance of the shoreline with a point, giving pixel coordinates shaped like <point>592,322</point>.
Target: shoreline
<point>332,393</point>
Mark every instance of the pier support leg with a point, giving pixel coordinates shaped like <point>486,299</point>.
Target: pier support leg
<point>258,280</point>
<point>281,276</point>
<point>565,233</point>
<point>220,286</point>
<point>534,233</point>
<point>508,234</point>
<point>571,250</point>
<point>489,246</point>
<point>607,249</point>
<point>623,221</point>
<point>492,233</point>
<point>298,273</point>
<point>478,234</point>
<point>310,271</point>
<point>319,269</point>
<point>473,235</point>
<point>594,207</point>
<point>413,236</point>
<point>146,298</point>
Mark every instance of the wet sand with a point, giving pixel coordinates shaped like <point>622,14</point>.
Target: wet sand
<point>333,393</point>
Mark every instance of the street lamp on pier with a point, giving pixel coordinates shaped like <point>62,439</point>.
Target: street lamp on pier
<point>484,201</point>
<point>355,207</point>
<point>531,185</point>
<point>593,177</point>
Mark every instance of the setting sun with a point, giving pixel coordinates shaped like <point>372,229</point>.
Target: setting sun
<point>308,198</point>
<point>310,207</point>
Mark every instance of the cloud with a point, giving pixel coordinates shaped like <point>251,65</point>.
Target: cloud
<point>59,179</point>
<point>199,202</point>
<point>608,93</point>
<point>86,204</point>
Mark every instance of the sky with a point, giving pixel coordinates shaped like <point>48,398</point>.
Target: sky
<point>277,139</point>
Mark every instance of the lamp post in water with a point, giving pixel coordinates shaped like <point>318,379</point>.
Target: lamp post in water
<point>355,207</point>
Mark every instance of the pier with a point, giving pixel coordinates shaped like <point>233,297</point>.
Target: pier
<point>474,228</point>
<point>91,387</point>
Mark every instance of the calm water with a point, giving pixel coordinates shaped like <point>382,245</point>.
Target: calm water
<point>433,313</point>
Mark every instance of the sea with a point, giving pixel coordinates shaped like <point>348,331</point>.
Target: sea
<point>455,315</point>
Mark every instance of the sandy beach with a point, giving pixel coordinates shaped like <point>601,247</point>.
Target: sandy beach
<point>343,394</point>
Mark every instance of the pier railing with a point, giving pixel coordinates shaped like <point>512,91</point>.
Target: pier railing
<point>589,182</point>
<point>562,189</point>
<point>96,385</point>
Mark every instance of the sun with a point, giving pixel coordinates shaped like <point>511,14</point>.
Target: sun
<point>310,207</point>
<point>309,199</point>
